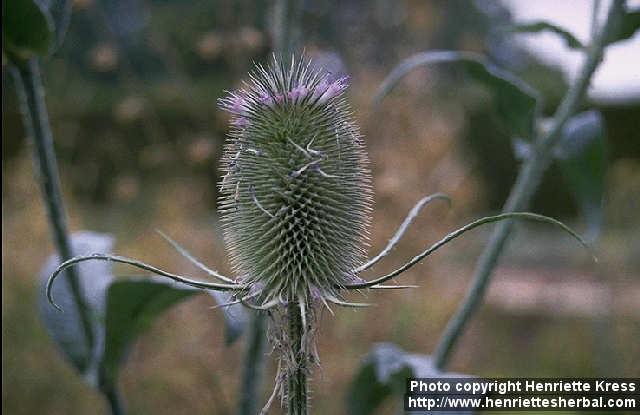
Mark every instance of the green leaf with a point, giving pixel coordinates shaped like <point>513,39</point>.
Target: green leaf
<point>132,305</point>
<point>582,155</point>
<point>235,316</point>
<point>627,26</point>
<point>65,327</point>
<point>515,101</point>
<point>541,26</point>
<point>120,310</point>
<point>27,29</point>
<point>383,373</point>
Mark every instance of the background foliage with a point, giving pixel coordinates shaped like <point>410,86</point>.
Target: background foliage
<point>132,99</point>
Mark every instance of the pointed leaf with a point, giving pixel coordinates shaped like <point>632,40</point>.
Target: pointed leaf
<point>383,373</point>
<point>132,305</point>
<point>582,155</point>
<point>65,327</point>
<point>235,316</point>
<point>515,101</point>
<point>541,26</point>
<point>27,29</point>
<point>627,26</point>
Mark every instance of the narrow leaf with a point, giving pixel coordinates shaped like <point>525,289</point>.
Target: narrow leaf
<point>515,101</point>
<point>542,26</point>
<point>582,155</point>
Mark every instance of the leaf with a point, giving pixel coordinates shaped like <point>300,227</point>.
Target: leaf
<point>627,26</point>
<point>132,305</point>
<point>121,309</point>
<point>235,316</point>
<point>65,327</point>
<point>27,29</point>
<point>60,12</point>
<point>383,373</point>
<point>541,26</point>
<point>582,155</point>
<point>515,101</point>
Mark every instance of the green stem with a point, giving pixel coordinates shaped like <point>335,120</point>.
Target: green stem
<point>36,123</point>
<point>115,402</point>
<point>297,397</point>
<point>251,383</point>
<point>286,35</point>
<point>526,184</point>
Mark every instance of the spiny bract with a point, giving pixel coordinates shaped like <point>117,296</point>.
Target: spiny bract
<point>296,194</point>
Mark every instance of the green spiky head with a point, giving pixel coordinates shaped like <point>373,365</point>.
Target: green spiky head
<point>296,194</point>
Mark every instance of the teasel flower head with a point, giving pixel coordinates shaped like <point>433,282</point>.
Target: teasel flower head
<point>296,193</point>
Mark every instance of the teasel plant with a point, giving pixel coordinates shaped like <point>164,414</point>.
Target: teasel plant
<point>296,200</point>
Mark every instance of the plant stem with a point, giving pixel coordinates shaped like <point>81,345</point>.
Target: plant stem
<point>286,31</point>
<point>526,184</point>
<point>253,366</point>
<point>297,377</point>
<point>36,123</point>
<point>115,403</point>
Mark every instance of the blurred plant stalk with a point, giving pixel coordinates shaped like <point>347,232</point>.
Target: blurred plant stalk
<point>253,366</point>
<point>528,181</point>
<point>36,123</point>
<point>286,31</point>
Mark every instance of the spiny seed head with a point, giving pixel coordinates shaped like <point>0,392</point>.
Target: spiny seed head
<point>296,194</point>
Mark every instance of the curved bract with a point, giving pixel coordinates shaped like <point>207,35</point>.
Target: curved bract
<point>296,194</point>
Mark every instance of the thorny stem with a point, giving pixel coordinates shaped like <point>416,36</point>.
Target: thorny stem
<point>525,186</point>
<point>36,123</point>
<point>296,377</point>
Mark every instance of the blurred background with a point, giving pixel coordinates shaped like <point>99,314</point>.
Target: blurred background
<point>132,100</point>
